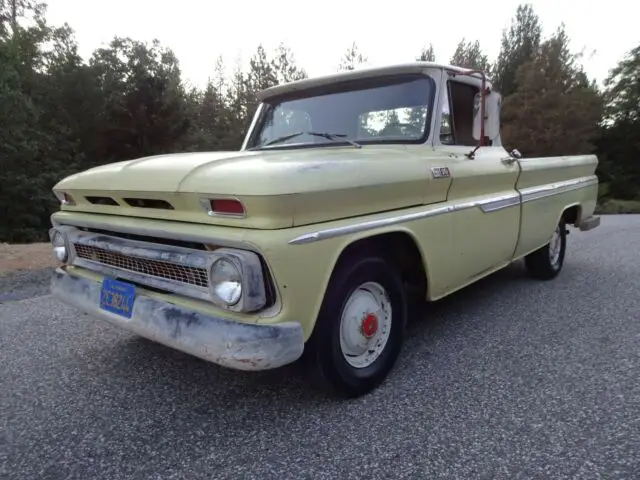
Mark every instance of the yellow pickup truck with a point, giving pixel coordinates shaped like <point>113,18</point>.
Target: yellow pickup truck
<point>351,194</point>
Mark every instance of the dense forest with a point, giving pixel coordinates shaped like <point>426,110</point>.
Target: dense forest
<point>60,113</point>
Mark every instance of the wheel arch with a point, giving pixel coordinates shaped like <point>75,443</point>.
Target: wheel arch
<point>398,244</point>
<point>571,213</point>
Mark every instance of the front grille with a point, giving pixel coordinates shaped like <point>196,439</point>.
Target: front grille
<point>155,268</point>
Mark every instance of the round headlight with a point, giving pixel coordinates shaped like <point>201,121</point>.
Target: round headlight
<point>226,281</point>
<point>59,246</point>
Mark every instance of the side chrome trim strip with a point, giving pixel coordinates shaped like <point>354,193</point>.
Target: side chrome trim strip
<point>491,204</point>
<point>487,205</point>
<point>505,201</point>
<point>360,227</point>
<point>542,191</point>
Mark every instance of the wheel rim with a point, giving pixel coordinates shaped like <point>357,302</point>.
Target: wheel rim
<point>555,247</point>
<point>365,325</point>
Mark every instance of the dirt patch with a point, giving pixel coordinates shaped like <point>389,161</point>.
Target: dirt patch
<point>32,256</point>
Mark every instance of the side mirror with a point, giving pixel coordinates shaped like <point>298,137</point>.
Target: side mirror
<point>492,104</point>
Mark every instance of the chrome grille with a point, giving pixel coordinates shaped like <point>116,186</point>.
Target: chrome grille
<point>155,268</point>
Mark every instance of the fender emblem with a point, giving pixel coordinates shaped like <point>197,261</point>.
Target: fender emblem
<point>440,172</point>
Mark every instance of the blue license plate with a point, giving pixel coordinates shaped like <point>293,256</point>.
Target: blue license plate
<point>117,297</point>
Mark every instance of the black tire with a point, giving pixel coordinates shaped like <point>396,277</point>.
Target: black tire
<point>331,369</point>
<point>540,263</point>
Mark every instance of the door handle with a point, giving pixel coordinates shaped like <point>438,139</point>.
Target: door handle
<point>508,160</point>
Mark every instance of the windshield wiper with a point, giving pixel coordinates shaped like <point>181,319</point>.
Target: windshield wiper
<point>327,135</point>
<point>336,136</point>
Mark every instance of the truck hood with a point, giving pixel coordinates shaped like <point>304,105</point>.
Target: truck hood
<point>279,188</point>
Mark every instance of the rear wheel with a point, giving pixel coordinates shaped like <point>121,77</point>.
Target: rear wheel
<point>546,263</point>
<point>359,331</point>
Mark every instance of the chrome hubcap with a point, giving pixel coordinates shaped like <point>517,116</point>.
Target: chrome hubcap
<point>365,325</point>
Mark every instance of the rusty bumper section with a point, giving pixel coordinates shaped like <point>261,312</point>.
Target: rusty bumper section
<point>224,342</point>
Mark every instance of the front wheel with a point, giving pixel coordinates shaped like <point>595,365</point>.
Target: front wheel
<point>546,263</point>
<point>359,331</point>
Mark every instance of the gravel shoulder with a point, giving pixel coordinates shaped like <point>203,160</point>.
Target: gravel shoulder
<point>25,270</point>
<point>30,256</point>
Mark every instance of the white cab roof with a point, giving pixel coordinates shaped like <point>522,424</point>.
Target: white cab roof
<point>359,74</point>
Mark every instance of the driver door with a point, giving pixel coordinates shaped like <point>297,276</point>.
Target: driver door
<point>486,216</point>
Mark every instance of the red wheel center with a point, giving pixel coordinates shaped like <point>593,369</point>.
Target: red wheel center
<point>369,325</point>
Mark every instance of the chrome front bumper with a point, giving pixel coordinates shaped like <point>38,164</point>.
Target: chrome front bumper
<point>225,342</point>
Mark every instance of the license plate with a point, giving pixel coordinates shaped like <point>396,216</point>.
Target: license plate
<point>117,297</point>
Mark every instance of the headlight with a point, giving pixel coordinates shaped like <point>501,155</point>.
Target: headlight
<point>226,281</point>
<point>236,280</point>
<point>59,245</point>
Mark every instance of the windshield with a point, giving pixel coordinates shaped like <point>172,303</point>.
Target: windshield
<point>378,110</point>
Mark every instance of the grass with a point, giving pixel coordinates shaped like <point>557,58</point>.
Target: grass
<point>614,206</point>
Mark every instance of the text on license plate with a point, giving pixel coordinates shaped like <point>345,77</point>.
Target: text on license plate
<point>117,297</point>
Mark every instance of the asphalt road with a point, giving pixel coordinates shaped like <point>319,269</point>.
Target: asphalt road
<point>511,378</point>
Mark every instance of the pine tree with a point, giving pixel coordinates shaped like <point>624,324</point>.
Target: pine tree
<point>470,55</point>
<point>619,142</point>
<point>623,88</point>
<point>519,45</point>
<point>352,58</point>
<point>427,54</point>
<point>284,66</point>
<point>554,109</point>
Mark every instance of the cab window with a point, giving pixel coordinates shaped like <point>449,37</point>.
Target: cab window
<point>457,114</point>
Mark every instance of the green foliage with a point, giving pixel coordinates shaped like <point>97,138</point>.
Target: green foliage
<point>519,45</point>
<point>470,55</point>
<point>36,143</point>
<point>427,54</point>
<point>623,89</point>
<point>619,140</point>
<point>352,58</point>
<point>285,67</point>
<point>618,207</point>
<point>60,114</point>
<point>554,110</point>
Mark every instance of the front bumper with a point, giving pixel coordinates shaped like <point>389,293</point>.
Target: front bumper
<point>225,342</point>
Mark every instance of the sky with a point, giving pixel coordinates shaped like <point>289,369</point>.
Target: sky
<point>198,31</point>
